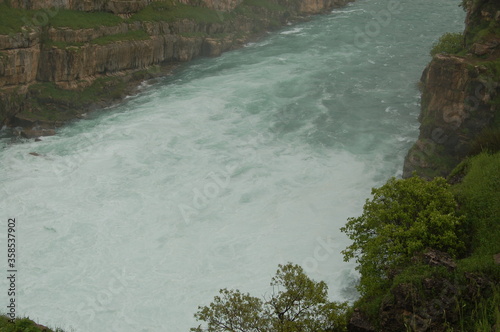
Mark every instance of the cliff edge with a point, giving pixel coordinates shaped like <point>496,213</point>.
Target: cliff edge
<point>61,58</point>
<point>460,95</point>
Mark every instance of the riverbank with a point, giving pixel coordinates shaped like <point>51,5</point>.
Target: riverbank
<point>57,64</point>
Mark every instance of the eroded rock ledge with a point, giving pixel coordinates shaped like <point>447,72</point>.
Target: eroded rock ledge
<point>52,70</point>
<point>460,97</point>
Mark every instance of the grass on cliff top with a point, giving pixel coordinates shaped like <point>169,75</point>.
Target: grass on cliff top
<point>49,103</point>
<point>22,325</point>
<point>13,19</point>
<point>449,43</point>
<point>170,11</point>
<point>83,20</point>
<point>478,198</point>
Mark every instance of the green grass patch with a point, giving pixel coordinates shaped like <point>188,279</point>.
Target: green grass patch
<point>414,274</point>
<point>479,198</point>
<point>105,86</point>
<point>49,103</point>
<point>169,11</point>
<point>21,325</point>
<point>493,67</point>
<point>83,20</point>
<point>483,31</point>
<point>449,43</point>
<point>13,19</point>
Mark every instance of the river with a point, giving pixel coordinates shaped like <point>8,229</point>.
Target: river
<point>129,219</point>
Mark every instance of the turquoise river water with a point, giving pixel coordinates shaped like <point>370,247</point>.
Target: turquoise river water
<point>131,218</point>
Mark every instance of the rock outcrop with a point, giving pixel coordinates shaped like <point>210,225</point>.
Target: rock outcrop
<point>459,116</point>
<point>42,63</point>
<point>114,6</point>
<point>460,96</point>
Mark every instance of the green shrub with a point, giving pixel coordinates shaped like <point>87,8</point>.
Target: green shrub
<point>21,325</point>
<point>449,43</point>
<point>404,218</point>
<point>296,304</point>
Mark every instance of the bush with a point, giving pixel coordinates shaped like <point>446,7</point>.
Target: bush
<point>449,43</point>
<point>404,218</point>
<point>297,304</point>
<point>22,325</point>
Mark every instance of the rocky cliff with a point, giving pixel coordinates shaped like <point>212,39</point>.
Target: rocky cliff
<point>459,118</point>
<point>58,58</point>
<point>460,96</point>
<point>113,6</point>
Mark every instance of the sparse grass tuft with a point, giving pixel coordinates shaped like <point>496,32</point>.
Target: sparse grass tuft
<point>169,11</point>
<point>13,19</point>
<point>83,20</point>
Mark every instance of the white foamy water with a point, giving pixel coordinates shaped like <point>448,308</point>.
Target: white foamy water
<point>130,219</point>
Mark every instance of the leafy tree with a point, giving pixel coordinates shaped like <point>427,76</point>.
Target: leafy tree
<point>404,217</point>
<point>298,304</point>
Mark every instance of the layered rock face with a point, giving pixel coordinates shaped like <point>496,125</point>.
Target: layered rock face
<point>115,6</point>
<point>459,96</point>
<point>166,42</point>
<point>73,59</point>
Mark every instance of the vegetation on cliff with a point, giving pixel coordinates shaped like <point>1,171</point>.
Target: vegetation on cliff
<point>23,325</point>
<point>427,252</point>
<point>297,303</point>
<point>403,219</point>
<point>460,95</point>
<point>69,51</point>
<point>445,290</point>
